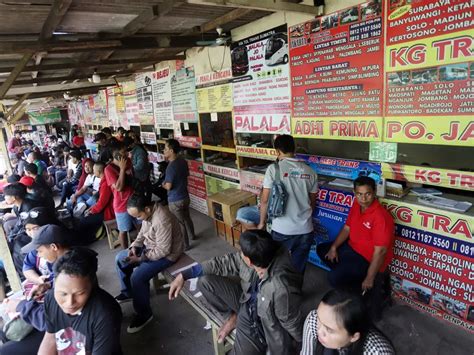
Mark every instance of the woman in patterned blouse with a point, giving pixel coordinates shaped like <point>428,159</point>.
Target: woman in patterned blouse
<point>340,326</point>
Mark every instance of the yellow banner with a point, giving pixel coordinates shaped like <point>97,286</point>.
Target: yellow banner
<point>443,130</point>
<point>256,152</point>
<point>451,48</point>
<point>215,98</point>
<point>450,224</point>
<point>462,180</point>
<point>345,128</point>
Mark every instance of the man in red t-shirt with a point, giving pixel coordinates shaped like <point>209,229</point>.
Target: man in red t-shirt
<point>364,246</point>
<point>118,175</point>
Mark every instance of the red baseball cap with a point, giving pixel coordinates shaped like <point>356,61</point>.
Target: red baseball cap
<point>28,181</point>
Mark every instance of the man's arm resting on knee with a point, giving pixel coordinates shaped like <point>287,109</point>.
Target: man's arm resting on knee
<point>378,259</point>
<point>48,345</point>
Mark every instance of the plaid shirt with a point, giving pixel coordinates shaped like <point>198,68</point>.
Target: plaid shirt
<point>374,343</point>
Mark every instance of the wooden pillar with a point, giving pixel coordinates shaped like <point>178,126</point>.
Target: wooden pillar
<point>7,259</point>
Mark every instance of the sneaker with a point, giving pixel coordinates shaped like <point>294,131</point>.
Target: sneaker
<point>138,323</point>
<point>122,298</point>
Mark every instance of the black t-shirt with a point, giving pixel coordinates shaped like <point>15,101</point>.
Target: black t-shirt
<point>97,328</point>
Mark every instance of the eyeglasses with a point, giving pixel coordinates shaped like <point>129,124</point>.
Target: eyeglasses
<point>32,229</point>
<point>32,214</point>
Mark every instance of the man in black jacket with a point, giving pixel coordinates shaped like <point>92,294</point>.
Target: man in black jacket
<point>15,194</point>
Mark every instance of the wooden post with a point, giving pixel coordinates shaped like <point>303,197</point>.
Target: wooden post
<point>7,259</point>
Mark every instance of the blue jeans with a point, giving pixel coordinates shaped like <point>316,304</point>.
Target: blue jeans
<point>351,269</point>
<point>59,176</point>
<point>135,280</point>
<point>67,189</point>
<point>248,215</point>
<point>298,245</point>
<point>88,199</point>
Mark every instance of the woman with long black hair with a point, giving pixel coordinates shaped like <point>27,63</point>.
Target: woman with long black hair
<point>341,326</point>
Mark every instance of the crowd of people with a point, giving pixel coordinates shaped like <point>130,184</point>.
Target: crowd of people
<point>63,310</point>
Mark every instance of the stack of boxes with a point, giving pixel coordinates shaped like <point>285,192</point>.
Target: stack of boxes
<point>223,208</point>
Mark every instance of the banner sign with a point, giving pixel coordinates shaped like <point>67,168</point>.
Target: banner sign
<point>261,84</point>
<point>129,90</point>
<point>262,119</point>
<point>433,265</point>
<point>145,98</point>
<point>214,91</point>
<point>41,118</point>
<point>251,182</point>
<point>353,128</point>
<point>443,130</point>
<point>183,94</point>
<point>383,152</point>
<point>98,105</point>
<point>112,107</point>
<point>256,152</point>
<point>342,168</point>
<point>336,64</point>
<point>222,171</point>
<point>197,186</point>
<point>329,216</point>
<point>73,113</point>
<point>461,180</point>
<point>148,137</point>
<point>215,185</point>
<point>429,67</point>
<point>214,78</point>
<point>189,142</point>
<point>162,105</point>
<point>215,98</point>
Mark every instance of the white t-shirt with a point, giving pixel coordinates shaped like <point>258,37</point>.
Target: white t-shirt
<point>93,182</point>
<point>72,166</point>
<point>299,180</point>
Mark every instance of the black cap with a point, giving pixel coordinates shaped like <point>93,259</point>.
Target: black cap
<point>48,234</point>
<point>99,136</point>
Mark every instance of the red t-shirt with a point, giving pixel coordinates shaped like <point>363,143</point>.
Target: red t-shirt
<point>374,227</point>
<point>78,141</point>
<point>112,173</point>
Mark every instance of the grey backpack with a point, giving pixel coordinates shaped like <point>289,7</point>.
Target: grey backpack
<point>278,196</point>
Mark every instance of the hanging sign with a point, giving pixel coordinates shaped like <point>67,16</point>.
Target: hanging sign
<point>429,66</point>
<point>336,64</point>
<point>432,268</point>
<point>145,98</point>
<point>183,93</point>
<point>261,84</point>
<point>162,104</point>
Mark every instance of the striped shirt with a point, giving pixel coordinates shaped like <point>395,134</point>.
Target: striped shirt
<point>374,343</point>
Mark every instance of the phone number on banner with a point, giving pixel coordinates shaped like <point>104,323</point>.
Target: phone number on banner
<point>435,240</point>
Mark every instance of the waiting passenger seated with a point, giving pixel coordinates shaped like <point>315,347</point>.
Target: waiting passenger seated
<point>87,195</point>
<point>359,256</point>
<point>259,292</point>
<point>16,195</point>
<point>340,325</point>
<point>159,244</point>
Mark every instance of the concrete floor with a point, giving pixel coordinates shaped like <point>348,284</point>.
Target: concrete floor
<point>178,329</point>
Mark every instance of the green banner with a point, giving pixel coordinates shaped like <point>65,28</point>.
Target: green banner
<point>383,152</point>
<point>39,118</point>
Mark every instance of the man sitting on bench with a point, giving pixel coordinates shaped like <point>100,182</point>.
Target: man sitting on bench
<point>158,245</point>
<point>258,290</point>
<point>364,247</point>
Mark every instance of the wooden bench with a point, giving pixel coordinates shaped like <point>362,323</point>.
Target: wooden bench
<point>112,233</point>
<point>200,304</point>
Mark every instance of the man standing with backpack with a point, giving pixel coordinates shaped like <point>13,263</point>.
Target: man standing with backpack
<point>292,222</point>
